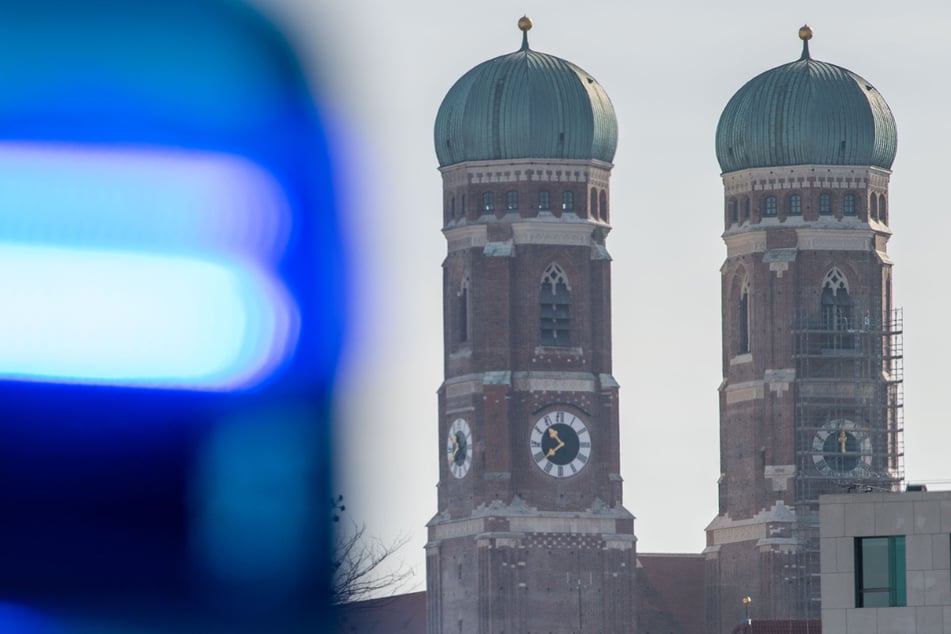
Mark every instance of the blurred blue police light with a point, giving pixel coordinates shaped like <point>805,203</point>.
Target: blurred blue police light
<point>143,268</point>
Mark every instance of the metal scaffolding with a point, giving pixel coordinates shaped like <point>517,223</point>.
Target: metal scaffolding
<point>848,422</point>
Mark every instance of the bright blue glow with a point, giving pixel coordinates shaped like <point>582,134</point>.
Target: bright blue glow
<point>141,267</point>
<point>123,318</point>
<point>254,499</point>
<point>23,620</point>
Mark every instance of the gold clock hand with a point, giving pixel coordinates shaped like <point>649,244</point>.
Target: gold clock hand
<point>455,450</point>
<point>554,434</point>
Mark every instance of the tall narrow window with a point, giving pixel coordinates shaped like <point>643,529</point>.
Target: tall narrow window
<point>880,572</point>
<point>795,205</point>
<point>462,207</point>
<point>770,205</point>
<point>593,209</point>
<point>568,201</point>
<point>464,311</point>
<point>511,200</point>
<point>837,312</point>
<point>488,201</point>
<point>734,214</point>
<point>825,205</point>
<point>883,210</point>
<point>743,325</point>
<point>873,206</point>
<point>848,205</point>
<point>603,205</point>
<point>544,200</point>
<point>452,208</point>
<point>555,304</point>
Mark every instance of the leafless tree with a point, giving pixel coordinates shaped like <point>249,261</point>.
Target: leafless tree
<point>365,566</point>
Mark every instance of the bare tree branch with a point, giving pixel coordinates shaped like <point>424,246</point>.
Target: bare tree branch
<point>362,564</point>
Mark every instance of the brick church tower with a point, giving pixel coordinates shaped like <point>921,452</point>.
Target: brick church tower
<point>810,401</point>
<point>530,534</point>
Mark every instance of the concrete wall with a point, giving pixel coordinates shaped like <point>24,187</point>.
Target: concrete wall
<point>925,521</point>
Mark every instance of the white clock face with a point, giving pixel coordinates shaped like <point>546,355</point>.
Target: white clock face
<point>459,448</point>
<point>841,448</point>
<point>560,444</point>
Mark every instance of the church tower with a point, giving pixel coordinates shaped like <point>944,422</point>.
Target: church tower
<point>810,401</point>
<point>530,534</point>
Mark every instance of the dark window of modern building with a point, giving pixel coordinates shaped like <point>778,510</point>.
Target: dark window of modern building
<point>603,205</point>
<point>544,200</point>
<point>568,201</point>
<point>511,199</point>
<point>825,205</point>
<point>880,572</point>
<point>770,206</point>
<point>795,205</point>
<point>555,304</point>
<point>743,325</point>
<point>848,205</point>
<point>488,201</point>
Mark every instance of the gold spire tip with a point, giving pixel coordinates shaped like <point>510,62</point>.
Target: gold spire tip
<point>525,23</point>
<point>805,32</point>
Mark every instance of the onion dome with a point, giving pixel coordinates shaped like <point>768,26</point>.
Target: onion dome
<point>525,105</point>
<point>806,112</point>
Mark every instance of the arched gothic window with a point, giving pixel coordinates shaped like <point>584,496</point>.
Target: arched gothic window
<point>567,201</point>
<point>836,307</point>
<point>463,322</point>
<point>795,205</point>
<point>743,322</point>
<point>848,205</point>
<point>555,301</point>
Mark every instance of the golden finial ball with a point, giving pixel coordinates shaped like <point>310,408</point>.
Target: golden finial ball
<point>525,23</point>
<point>805,32</point>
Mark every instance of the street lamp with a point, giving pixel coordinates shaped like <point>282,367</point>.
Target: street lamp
<point>746,606</point>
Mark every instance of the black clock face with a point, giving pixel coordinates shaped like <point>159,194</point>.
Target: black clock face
<point>841,451</point>
<point>842,448</point>
<point>459,448</point>
<point>560,444</point>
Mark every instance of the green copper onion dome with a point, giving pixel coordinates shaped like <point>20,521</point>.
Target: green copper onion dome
<point>525,105</point>
<point>806,112</point>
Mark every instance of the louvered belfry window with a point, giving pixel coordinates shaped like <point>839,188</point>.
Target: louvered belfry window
<point>555,300</point>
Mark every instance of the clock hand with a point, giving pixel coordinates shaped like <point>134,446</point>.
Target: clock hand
<point>554,434</point>
<point>455,444</point>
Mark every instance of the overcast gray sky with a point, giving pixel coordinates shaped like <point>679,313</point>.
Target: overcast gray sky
<point>669,69</point>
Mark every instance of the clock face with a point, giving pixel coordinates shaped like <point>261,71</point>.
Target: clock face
<point>560,444</point>
<point>459,448</point>
<point>841,448</point>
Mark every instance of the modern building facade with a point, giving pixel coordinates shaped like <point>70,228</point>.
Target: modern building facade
<point>886,562</point>
<point>810,401</point>
<point>530,534</point>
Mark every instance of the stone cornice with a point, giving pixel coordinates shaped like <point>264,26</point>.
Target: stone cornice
<point>527,170</point>
<point>813,237</point>
<point>805,177</point>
